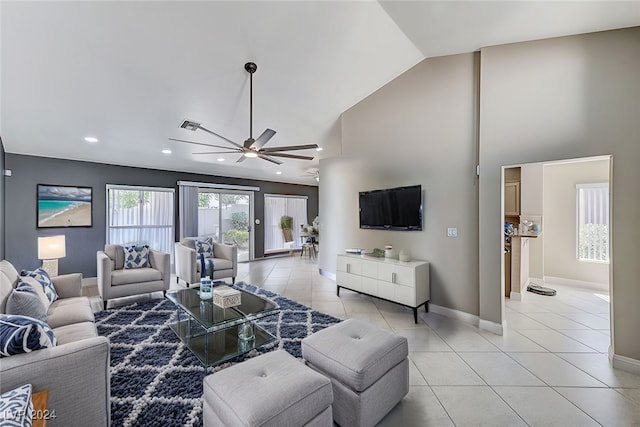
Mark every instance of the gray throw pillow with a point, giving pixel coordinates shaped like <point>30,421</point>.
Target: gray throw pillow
<point>24,301</point>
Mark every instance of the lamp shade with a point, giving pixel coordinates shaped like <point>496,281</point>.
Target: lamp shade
<point>51,247</point>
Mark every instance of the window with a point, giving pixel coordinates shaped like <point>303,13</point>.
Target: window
<point>592,213</point>
<point>275,206</point>
<point>140,215</point>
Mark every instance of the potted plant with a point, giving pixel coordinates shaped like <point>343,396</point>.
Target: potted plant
<point>286,225</point>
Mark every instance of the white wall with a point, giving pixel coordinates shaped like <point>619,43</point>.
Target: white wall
<point>540,101</point>
<point>560,181</point>
<point>565,98</point>
<point>418,129</point>
<point>531,205</point>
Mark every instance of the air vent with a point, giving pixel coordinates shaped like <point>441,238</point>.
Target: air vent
<point>189,125</point>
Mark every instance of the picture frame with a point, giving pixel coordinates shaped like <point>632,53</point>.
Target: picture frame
<point>64,206</point>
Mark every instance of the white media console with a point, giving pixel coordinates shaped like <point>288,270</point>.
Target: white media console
<point>405,283</point>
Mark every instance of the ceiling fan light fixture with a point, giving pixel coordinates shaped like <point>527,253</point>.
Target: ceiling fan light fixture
<point>250,154</point>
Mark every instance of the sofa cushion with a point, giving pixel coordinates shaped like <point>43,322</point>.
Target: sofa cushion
<point>219,264</point>
<point>16,407</point>
<point>75,332</point>
<point>205,247</point>
<point>135,275</point>
<point>116,254</point>
<point>67,311</point>
<point>8,280</point>
<point>22,334</point>
<point>45,280</point>
<point>136,256</point>
<point>24,300</point>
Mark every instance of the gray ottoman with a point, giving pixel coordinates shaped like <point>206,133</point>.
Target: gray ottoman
<point>274,389</point>
<point>368,367</point>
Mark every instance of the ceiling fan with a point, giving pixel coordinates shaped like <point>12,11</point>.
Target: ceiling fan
<point>252,147</point>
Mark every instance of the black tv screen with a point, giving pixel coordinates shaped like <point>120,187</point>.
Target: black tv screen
<point>392,209</point>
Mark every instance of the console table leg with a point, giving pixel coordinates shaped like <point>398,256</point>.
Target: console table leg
<point>415,314</point>
<point>338,290</point>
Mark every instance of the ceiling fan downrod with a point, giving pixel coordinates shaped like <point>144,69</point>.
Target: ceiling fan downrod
<point>251,68</point>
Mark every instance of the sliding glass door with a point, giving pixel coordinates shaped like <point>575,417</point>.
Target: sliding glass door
<point>227,216</point>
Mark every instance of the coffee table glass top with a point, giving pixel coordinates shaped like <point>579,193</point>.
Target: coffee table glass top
<point>213,317</point>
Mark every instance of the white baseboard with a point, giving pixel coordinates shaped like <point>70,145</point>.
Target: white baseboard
<point>624,363</point>
<point>454,314</point>
<point>493,327</point>
<point>328,274</point>
<point>577,283</point>
<point>516,296</point>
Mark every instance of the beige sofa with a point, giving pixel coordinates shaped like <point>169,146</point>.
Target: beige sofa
<point>76,371</point>
<point>188,266</point>
<point>114,281</point>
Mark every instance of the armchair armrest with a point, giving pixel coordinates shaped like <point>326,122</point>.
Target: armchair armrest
<point>68,285</point>
<point>76,375</point>
<point>161,261</point>
<point>103,273</point>
<point>222,250</point>
<point>186,268</point>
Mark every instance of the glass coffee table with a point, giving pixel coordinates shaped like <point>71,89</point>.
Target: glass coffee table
<point>212,332</point>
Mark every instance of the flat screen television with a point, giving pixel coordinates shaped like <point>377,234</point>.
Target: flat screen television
<point>392,209</point>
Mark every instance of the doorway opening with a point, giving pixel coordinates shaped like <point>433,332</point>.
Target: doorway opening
<point>541,204</point>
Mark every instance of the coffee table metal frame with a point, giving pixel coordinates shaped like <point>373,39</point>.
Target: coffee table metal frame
<point>211,332</point>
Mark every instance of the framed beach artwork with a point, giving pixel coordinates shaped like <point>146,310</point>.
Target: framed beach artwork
<point>64,206</point>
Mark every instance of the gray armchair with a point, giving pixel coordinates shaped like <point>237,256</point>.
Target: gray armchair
<point>188,266</point>
<point>114,281</point>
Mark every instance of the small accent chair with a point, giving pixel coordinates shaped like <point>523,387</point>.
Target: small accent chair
<point>188,266</point>
<point>116,281</point>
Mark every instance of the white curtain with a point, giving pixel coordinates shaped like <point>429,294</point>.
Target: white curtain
<point>140,215</point>
<point>276,206</point>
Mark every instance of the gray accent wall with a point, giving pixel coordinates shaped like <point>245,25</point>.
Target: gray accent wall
<point>83,243</point>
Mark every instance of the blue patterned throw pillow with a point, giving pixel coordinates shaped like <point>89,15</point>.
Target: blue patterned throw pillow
<point>205,247</point>
<point>136,256</point>
<point>22,334</point>
<point>16,407</point>
<point>45,280</point>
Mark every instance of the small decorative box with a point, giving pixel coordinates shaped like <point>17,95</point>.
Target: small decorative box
<point>225,297</point>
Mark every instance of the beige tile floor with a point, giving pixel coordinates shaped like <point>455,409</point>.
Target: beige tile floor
<point>549,368</point>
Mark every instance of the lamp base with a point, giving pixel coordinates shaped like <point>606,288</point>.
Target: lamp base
<point>50,266</point>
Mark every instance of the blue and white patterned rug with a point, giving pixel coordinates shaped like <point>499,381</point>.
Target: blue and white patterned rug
<point>157,381</point>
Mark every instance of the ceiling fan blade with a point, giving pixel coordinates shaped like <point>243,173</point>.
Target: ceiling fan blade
<point>241,159</point>
<point>277,162</point>
<point>199,143</point>
<point>290,148</point>
<point>291,156</point>
<point>216,152</point>
<point>218,135</point>
<point>264,138</point>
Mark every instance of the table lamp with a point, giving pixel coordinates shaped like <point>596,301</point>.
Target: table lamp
<point>49,250</point>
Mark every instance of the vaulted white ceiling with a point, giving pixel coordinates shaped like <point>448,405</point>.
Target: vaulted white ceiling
<point>129,72</point>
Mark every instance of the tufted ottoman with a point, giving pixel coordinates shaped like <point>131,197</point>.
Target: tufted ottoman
<point>368,367</point>
<point>274,389</point>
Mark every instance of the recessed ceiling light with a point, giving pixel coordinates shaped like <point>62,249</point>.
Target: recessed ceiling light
<point>166,151</point>
<point>220,159</point>
<point>319,149</point>
<point>91,139</point>
<point>278,172</point>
